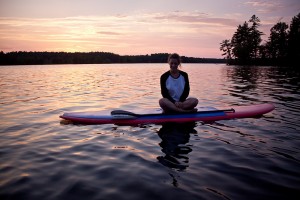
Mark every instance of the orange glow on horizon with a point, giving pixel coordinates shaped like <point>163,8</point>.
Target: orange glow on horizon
<point>189,31</point>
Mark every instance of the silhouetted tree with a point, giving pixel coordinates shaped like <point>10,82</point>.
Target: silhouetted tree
<point>278,42</point>
<point>246,40</point>
<point>226,47</point>
<point>241,43</point>
<point>40,58</point>
<point>282,47</point>
<point>294,40</point>
<point>255,36</point>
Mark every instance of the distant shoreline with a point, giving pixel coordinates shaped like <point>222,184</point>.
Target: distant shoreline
<point>48,58</point>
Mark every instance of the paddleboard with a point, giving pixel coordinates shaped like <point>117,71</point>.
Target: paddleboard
<point>156,116</point>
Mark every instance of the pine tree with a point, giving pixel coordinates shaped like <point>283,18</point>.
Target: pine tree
<point>226,47</point>
<point>294,40</point>
<point>278,42</point>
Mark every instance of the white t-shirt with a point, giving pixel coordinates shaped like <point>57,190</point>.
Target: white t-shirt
<point>175,86</point>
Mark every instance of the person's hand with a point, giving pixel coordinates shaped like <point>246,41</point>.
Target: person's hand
<point>178,104</point>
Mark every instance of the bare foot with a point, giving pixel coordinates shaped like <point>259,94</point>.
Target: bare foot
<point>187,111</point>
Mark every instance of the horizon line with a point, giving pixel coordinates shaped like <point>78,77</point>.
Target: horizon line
<point>1,51</point>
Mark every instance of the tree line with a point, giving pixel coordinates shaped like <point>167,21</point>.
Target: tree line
<point>281,48</point>
<point>42,58</point>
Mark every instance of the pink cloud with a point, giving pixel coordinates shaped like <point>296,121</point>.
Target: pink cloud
<point>265,6</point>
<point>196,17</point>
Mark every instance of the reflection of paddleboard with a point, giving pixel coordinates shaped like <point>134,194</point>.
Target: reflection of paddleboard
<point>204,114</point>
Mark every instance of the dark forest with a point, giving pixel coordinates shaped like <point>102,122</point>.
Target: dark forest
<point>46,58</point>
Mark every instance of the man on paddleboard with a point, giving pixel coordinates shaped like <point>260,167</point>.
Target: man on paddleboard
<point>175,88</point>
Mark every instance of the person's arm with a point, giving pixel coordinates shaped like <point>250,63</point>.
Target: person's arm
<point>164,90</point>
<point>186,90</point>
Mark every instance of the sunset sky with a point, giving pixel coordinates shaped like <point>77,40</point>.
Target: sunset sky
<point>133,27</point>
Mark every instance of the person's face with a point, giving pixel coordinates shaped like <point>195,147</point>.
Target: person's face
<point>173,64</point>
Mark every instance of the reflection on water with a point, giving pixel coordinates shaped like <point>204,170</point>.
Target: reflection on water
<point>175,144</point>
<point>234,159</point>
<point>280,83</point>
<point>280,86</point>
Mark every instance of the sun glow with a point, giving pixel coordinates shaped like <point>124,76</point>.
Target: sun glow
<point>135,34</point>
<point>191,30</point>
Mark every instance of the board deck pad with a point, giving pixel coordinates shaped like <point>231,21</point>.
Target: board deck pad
<point>157,116</point>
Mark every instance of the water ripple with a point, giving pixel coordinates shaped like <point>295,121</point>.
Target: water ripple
<point>43,157</point>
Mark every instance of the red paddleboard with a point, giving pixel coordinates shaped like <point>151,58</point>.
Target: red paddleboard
<point>156,116</point>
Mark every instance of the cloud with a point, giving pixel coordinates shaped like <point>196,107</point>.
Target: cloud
<point>196,18</point>
<point>108,33</point>
<point>265,6</point>
<point>140,33</point>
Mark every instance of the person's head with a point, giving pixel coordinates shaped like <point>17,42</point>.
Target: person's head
<point>174,60</point>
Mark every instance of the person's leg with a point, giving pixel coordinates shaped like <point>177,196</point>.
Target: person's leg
<point>190,103</point>
<point>167,105</point>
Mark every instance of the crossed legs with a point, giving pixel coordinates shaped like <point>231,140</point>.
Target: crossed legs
<point>187,106</point>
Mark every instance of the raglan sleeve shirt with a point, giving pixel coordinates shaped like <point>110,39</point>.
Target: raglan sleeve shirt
<point>165,92</point>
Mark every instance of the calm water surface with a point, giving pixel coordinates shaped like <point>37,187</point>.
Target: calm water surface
<point>43,157</point>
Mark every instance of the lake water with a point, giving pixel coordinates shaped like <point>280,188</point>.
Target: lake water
<point>44,157</point>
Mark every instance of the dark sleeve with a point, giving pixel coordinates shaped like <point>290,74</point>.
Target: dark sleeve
<point>186,90</point>
<point>164,90</point>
